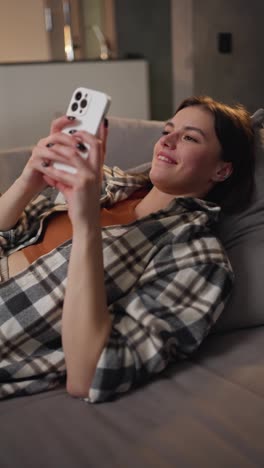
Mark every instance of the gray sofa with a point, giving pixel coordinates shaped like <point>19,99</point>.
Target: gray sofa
<point>204,412</point>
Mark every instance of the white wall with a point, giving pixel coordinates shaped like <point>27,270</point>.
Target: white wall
<point>31,95</point>
<point>22,35</point>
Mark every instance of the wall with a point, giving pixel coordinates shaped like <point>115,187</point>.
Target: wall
<point>143,28</point>
<point>23,38</point>
<point>182,50</point>
<point>199,68</point>
<point>230,77</point>
<point>91,14</point>
<point>32,95</point>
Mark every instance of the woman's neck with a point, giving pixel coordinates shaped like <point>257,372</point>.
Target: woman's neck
<point>153,201</point>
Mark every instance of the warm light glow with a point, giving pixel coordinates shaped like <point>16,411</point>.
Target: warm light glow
<point>68,43</point>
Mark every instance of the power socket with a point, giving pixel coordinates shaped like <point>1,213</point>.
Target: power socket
<point>225,45</point>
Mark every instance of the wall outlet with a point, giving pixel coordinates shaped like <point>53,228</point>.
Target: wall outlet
<point>225,43</point>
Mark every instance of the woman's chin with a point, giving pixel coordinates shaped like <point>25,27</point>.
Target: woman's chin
<point>158,176</point>
<point>161,183</point>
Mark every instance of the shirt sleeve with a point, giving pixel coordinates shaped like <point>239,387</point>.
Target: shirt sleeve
<point>29,224</point>
<point>159,323</point>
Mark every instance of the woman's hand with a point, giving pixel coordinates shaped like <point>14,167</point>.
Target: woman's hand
<point>32,176</point>
<point>82,189</point>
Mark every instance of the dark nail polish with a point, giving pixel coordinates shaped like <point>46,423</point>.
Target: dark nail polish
<point>81,147</point>
<point>72,131</point>
<point>49,145</point>
<point>106,122</point>
<point>71,117</point>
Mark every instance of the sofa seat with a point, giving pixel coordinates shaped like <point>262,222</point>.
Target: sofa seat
<point>237,357</point>
<point>204,412</point>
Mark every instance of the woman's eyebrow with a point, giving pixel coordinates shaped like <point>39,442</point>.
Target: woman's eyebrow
<point>169,123</point>
<point>188,127</point>
<point>196,129</point>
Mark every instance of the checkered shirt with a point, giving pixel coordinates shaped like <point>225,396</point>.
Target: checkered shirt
<point>167,280</point>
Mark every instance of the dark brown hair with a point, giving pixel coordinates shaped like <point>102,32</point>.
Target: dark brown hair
<point>236,136</point>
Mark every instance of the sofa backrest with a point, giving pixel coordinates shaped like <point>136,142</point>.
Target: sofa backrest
<point>130,143</point>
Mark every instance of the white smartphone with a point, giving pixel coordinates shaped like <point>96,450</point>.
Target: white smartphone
<point>89,107</point>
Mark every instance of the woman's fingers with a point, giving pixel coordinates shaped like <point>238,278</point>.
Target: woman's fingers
<point>103,135</point>
<point>62,138</point>
<point>46,156</point>
<point>94,158</point>
<point>83,151</point>
<point>57,175</point>
<point>87,171</point>
<point>94,144</point>
<point>60,123</point>
<point>60,144</point>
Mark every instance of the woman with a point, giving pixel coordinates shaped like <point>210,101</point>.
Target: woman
<point>117,304</point>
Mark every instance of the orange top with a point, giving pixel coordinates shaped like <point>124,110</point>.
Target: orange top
<point>58,229</point>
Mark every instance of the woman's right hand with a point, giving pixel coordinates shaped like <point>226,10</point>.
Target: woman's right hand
<point>31,176</point>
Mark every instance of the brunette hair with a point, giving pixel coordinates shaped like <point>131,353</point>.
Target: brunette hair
<point>236,136</point>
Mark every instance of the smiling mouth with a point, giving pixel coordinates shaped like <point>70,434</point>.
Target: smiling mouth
<point>166,159</point>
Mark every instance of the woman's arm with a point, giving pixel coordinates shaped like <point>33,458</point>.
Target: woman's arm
<point>86,322</point>
<point>31,181</point>
<point>13,202</point>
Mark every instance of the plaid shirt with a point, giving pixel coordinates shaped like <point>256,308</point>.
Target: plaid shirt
<point>167,280</point>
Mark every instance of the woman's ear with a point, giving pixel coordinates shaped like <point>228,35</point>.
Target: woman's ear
<point>223,172</point>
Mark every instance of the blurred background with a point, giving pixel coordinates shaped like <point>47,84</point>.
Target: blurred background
<point>147,54</point>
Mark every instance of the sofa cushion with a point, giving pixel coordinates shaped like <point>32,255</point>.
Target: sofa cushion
<point>130,141</point>
<point>243,237</point>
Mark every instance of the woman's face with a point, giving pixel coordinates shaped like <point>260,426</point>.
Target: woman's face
<point>186,159</point>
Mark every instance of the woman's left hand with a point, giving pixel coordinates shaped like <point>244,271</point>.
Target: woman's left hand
<point>82,189</point>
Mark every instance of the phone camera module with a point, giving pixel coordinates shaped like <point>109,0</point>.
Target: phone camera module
<point>74,107</point>
<point>83,103</point>
<point>78,96</point>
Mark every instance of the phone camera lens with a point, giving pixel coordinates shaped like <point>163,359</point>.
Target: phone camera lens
<point>74,107</point>
<point>78,96</point>
<point>83,103</point>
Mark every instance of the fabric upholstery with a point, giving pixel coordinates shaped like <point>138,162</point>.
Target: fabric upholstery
<point>243,237</point>
<point>203,413</point>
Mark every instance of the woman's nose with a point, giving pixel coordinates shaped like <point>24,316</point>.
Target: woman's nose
<point>169,141</point>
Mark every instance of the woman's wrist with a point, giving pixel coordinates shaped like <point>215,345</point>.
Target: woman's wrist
<point>28,188</point>
<point>87,224</point>
<point>86,234</point>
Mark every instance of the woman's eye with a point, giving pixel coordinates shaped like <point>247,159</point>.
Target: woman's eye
<point>165,132</point>
<point>189,138</point>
